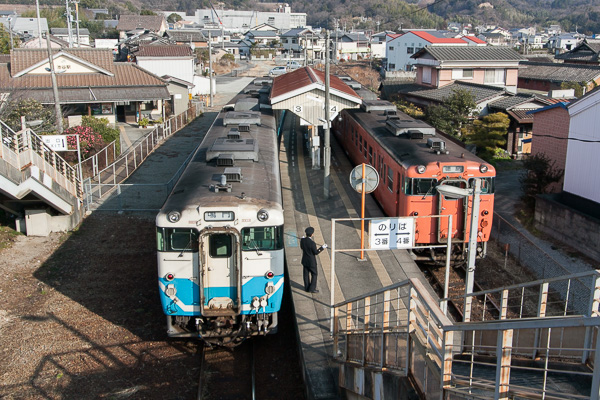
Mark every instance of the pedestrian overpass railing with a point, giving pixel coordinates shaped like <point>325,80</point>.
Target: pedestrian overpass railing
<point>400,329</point>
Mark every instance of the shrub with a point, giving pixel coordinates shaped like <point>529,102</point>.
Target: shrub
<point>102,127</point>
<point>89,141</point>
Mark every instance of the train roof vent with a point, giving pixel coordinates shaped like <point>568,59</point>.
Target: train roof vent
<point>225,160</point>
<point>233,174</point>
<point>233,133</point>
<point>248,103</point>
<point>436,144</point>
<point>415,134</point>
<point>244,128</point>
<point>241,149</point>
<point>392,116</point>
<point>241,118</point>
<point>377,105</point>
<point>390,112</point>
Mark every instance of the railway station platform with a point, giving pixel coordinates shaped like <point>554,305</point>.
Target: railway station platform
<point>305,205</point>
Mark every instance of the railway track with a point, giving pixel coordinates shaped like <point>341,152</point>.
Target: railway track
<point>482,308</point>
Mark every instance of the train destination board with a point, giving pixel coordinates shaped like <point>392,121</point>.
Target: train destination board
<point>392,233</point>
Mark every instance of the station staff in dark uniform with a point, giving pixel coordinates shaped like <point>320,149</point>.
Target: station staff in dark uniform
<point>309,260</point>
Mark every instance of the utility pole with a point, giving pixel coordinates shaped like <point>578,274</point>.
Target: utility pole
<point>210,71</point>
<point>68,12</point>
<point>39,22</point>
<point>57,110</point>
<point>77,20</point>
<point>327,148</point>
<point>9,20</point>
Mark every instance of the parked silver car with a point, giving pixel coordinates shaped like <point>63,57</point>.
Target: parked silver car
<point>277,71</point>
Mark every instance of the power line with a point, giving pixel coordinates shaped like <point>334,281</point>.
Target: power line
<point>428,5</point>
<point>568,138</point>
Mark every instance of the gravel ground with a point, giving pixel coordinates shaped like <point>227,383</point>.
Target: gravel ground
<point>80,317</point>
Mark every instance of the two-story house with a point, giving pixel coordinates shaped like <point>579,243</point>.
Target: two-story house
<point>304,41</point>
<point>351,46</point>
<point>378,43</point>
<point>399,51</point>
<point>438,66</point>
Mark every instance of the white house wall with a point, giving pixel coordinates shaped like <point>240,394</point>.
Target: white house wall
<point>182,69</point>
<point>583,164</point>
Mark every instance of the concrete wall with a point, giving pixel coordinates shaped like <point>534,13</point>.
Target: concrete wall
<point>567,225</point>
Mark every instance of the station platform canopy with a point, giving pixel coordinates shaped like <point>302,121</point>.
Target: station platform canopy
<point>303,92</point>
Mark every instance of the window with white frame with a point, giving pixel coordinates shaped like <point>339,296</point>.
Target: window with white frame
<point>391,48</point>
<point>494,76</point>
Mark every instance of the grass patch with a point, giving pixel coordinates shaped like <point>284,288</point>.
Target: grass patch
<point>7,233</point>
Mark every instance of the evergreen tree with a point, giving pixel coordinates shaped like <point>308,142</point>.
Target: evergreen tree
<point>541,172</point>
<point>454,112</point>
<point>489,133</point>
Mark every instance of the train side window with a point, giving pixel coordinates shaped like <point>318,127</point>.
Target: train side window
<point>220,245</point>
<point>370,155</point>
<point>177,239</point>
<point>390,179</point>
<point>360,143</point>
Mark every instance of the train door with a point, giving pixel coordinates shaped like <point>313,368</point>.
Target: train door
<point>220,267</point>
<point>450,205</point>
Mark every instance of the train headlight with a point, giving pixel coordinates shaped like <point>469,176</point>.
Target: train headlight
<point>170,276</point>
<point>421,169</point>
<point>170,291</point>
<point>483,168</point>
<point>270,288</point>
<point>269,275</point>
<point>173,216</point>
<point>262,215</point>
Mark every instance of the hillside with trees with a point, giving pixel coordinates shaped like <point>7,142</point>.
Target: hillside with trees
<point>580,15</point>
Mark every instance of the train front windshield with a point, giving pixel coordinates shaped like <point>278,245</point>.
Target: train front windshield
<point>262,238</point>
<point>426,186</point>
<point>176,239</point>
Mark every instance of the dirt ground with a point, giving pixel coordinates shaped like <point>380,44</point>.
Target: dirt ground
<point>80,317</point>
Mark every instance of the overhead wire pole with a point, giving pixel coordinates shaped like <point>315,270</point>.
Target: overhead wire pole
<point>68,12</point>
<point>39,22</point>
<point>210,72</point>
<point>327,148</point>
<point>57,110</point>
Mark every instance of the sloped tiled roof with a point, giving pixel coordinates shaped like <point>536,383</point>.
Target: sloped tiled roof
<point>65,31</point>
<point>473,39</point>
<point>480,92</point>
<point>269,34</point>
<point>554,72</point>
<point>587,51</point>
<point>186,35</point>
<point>22,59</point>
<point>165,51</point>
<point>132,22</point>
<point>436,37</point>
<point>120,81</point>
<point>510,102</point>
<point>304,77</point>
<point>470,53</point>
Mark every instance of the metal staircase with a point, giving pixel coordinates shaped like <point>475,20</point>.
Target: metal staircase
<point>541,343</point>
<point>37,185</point>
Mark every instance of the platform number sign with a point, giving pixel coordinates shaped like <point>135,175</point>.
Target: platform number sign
<point>298,109</point>
<point>392,233</point>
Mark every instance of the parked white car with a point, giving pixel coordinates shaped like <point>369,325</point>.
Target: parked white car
<point>277,71</point>
<point>293,65</point>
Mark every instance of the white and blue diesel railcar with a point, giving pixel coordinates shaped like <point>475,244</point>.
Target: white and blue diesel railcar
<point>220,232</point>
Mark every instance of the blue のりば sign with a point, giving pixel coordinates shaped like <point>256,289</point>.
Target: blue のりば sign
<point>392,233</point>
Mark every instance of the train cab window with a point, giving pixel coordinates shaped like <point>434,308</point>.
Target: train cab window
<point>487,185</point>
<point>262,238</point>
<point>220,245</point>
<point>177,239</point>
<point>420,186</point>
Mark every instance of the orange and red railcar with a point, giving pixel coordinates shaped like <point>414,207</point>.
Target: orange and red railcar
<point>412,159</point>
